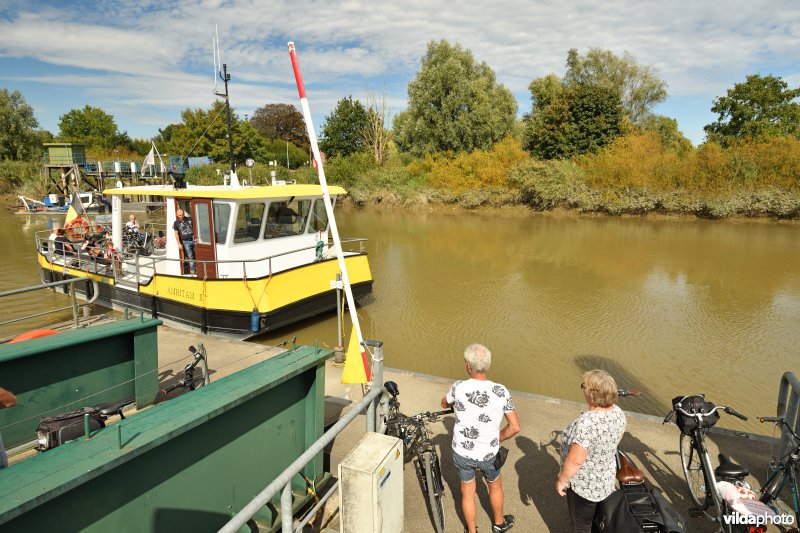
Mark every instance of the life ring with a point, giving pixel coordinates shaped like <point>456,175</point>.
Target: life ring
<point>77,227</point>
<point>32,334</point>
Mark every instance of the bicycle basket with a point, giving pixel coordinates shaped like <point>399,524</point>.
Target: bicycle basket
<point>693,404</point>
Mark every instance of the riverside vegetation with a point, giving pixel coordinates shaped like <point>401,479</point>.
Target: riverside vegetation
<point>634,175</point>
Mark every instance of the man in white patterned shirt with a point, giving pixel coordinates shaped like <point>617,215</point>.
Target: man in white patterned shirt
<point>480,406</point>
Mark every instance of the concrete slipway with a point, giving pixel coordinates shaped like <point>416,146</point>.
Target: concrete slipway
<point>532,465</point>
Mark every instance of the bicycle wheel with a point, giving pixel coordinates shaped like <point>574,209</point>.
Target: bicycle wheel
<point>434,486</point>
<point>693,471</point>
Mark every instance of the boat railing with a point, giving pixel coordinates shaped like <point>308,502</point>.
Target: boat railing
<point>74,306</point>
<point>283,482</point>
<point>142,267</point>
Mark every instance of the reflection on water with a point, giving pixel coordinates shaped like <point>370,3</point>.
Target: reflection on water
<point>668,306</point>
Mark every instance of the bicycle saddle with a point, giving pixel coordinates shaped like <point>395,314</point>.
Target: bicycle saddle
<point>728,468</point>
<point>627,473</point>
<point>391,388</point>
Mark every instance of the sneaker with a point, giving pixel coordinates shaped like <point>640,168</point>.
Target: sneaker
<point>508,523</point>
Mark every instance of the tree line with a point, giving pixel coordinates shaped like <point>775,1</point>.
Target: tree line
<point>458,112</point>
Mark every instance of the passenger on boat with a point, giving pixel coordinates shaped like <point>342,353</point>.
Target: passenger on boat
<point>53,235</point>
<point>113,257</point>
<point>132,225</point>
<point>6,400</point>
<point>480,406</point>
<point>286,214</point>
<point>90,247</point>
<point>184,234</point>
<point>61,244</point>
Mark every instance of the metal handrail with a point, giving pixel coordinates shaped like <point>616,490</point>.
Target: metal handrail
<point>283,482</point>
<point>40,239</point>
<point>788,409</point>
<point>74,302</point>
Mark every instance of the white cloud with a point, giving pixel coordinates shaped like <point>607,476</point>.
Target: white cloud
<point>159,53</point>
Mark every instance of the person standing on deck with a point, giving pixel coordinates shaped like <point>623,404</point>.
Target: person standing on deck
<point>480,406</point>
<point>184,234</point>
<point>6,400</point>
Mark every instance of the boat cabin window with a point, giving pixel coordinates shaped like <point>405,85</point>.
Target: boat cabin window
<point>319,217</point>
<point>202,221</point>
<point>286,218</point>
<point>248,222</point>
<point>222,218</point>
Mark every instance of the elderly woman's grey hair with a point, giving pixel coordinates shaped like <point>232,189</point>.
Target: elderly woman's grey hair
<point>479,357</point>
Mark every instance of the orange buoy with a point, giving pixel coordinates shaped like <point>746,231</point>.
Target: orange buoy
<point>32,334</point>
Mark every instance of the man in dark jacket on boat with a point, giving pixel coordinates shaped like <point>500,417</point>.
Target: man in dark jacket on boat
<point>6,400</point>
<point>184,234</point>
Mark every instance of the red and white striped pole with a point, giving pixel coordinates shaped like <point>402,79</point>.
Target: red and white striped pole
<point>337,243</point>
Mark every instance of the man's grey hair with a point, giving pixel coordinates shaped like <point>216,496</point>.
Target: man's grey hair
<point>479,357</point>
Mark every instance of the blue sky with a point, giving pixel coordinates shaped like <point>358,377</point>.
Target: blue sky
<point>144,62</point>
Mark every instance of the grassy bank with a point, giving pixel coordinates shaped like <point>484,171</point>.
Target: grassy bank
<point>636,175</point>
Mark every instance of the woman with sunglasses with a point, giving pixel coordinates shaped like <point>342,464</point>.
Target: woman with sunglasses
<point>588,448</point>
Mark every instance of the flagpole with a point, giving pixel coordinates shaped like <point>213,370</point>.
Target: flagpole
<point>337,243</point>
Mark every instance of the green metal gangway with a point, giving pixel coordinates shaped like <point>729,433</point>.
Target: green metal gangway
<point>187,464</point>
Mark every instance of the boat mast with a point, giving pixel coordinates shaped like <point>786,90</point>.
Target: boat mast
<point>226,78</point>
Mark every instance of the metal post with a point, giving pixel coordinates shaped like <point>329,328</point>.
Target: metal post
<point>338,350</point>
<point>74,302</point>
<point>286,508</point>
<point>377,382</point>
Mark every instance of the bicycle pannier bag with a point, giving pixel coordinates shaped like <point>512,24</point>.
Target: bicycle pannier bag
<point>56,430</point>
<point>693,404</point>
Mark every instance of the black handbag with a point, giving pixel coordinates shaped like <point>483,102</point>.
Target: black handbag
<point>500,458</point>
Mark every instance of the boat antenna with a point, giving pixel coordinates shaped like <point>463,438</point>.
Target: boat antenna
<point>225,77</point>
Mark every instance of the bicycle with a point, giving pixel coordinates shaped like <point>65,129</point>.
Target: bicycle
<point>784,471</point>
<point>189,381</point>
<point>695,416</point>
<point>134,241</point>
<point>414,432</point>
<point>55,430</point>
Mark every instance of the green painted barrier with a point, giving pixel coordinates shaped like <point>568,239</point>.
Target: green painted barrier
<point>187,464</point>
<point>74,369</point>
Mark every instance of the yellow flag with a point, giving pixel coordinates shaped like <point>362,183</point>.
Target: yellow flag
<point>76,208</point>
<point>356,368</point>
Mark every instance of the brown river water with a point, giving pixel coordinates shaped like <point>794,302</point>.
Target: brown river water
<point>669,306</point>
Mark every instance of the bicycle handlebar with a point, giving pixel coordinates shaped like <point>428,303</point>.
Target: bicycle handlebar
<point>780,421</point>
<point>734,412</point>
<point>729,410</point>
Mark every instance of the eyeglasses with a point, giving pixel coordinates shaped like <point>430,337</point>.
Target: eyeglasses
<point>583,386</point>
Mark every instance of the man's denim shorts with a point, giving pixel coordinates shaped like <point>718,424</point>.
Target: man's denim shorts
<point>466,468</point>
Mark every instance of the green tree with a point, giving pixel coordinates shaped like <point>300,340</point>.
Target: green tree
<point>667,130</point>
<point>761,107</point>
<point>454,104</point>
<point>278,150</point>
<point>91,126</point>
<point>281,122</point>
<point>638,85</point>
<point>343,130</point>
<point>205,132</point>
<point>577,120</point>
<point>19,139</point>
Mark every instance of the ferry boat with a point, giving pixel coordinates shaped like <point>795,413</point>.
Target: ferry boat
<point>262,257</point>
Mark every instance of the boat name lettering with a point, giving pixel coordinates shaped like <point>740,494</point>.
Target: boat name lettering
<point>181,293</point>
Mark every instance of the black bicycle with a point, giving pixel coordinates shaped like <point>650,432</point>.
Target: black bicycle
<point>695,416</point>
<point>189,381</point>
<point>138,242</point>
<point>784,472</point>
<point>414,432</point>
